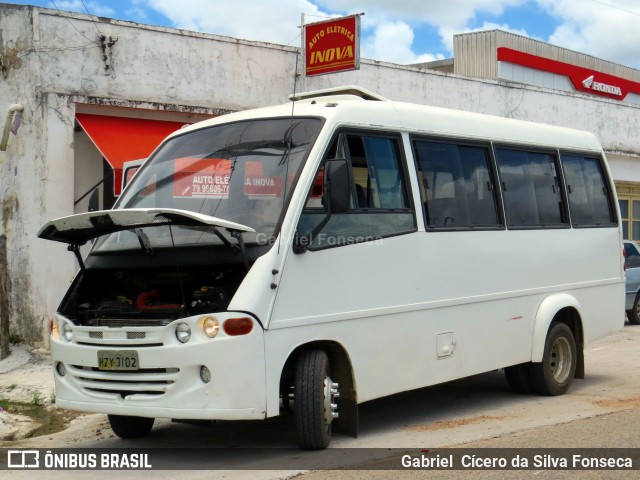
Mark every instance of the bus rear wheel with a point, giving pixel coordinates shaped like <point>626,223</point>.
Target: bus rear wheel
<point>130,427</point>
<point>314,400</point>
<point>554,374</point>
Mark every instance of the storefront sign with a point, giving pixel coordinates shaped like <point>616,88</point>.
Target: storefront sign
<point>332,46</point>
<point>583,79</point>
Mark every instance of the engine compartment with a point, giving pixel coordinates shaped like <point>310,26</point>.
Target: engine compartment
<point>120,297</point>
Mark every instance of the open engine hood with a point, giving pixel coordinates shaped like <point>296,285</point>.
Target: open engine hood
<point>79,229</point>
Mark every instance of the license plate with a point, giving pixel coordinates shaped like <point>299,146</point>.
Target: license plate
<point>118,360</point>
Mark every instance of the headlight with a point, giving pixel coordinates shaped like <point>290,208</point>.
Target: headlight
<point>183,332</point>
<point>67,332</point>
<point>211,326</point>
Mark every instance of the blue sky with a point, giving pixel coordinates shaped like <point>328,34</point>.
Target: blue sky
<point>399,31</point>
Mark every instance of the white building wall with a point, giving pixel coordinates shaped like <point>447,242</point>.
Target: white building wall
<point>87,167</point>
<point>53,68</point>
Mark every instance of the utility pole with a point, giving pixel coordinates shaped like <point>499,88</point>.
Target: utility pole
<point>4,299</point>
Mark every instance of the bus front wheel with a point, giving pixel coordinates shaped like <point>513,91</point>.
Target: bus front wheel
<point>554,374</point>
<point>314,400</point>
<point>130,427</point>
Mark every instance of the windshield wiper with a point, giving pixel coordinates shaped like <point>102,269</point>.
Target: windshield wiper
<point>250,148</point>
<point>237,234</point>
<point>144,241</point>
<point>223,239</point>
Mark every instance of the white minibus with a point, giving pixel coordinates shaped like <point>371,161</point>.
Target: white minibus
<point>317,255</point>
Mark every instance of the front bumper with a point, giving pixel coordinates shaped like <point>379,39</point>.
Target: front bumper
<point>168,382</point>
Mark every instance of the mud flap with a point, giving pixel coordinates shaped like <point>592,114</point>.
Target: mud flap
<point>347,422</point>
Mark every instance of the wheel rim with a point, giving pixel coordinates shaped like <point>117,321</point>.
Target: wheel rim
<point>560,363</point>
<point>637,309</point>
<point>330,406</point>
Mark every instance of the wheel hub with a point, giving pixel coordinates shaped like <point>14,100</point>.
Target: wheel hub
<point>561,360</point>
<point>331,393</point>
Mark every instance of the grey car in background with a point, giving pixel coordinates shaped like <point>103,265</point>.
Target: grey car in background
<point>632,289</point>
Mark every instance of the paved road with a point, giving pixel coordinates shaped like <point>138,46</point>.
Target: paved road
<point>601,411</point>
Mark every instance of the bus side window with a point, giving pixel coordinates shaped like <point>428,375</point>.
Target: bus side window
<point>457,185</point>
<point>379,205</point>
<point>531,188</point>
<point>589,198</point>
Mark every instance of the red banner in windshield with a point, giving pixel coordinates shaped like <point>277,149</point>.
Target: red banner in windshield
<point>201,177</point>
<point>210,177</point>
<point>258,185</point>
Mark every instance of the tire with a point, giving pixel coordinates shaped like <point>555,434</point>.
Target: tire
<point>314,400</point>
<point>554,374</point>
<point>130,427</point>
<point>634,313</point>
<point>519,378</point>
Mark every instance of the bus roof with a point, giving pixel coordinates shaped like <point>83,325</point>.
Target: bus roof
<point>357,107</point>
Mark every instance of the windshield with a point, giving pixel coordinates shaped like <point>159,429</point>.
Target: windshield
<point>242,172</point>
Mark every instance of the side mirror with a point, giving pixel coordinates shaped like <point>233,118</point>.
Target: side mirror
<point>337,191</point>
<point>337,185</point>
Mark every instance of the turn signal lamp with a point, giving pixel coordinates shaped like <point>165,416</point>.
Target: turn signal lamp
<point>238,326</point>
<point>53,329</point>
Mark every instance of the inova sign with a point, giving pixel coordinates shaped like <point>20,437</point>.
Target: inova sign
<point>332,46</point>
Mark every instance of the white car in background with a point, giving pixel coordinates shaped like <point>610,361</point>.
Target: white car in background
<point>632,289</point>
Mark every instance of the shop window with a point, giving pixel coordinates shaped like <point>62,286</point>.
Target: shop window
<point>630,216</point>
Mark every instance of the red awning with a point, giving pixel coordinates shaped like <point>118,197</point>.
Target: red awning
<point>121,139</point>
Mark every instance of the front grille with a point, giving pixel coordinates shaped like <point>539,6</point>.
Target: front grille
<point>128,337</point>
<point>136,335</point>
<point>156,381</point>
<point>129,322</point>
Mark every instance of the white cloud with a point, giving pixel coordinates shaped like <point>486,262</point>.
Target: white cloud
<point>388,27</point>
<point>94,8</point>
<point>392,42</point>
<point>447,33</point>
<point>137,13</point>
<point>448,17</point>
<point>610,32</point>
<point>249,19</point>
<point>432,12</point>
